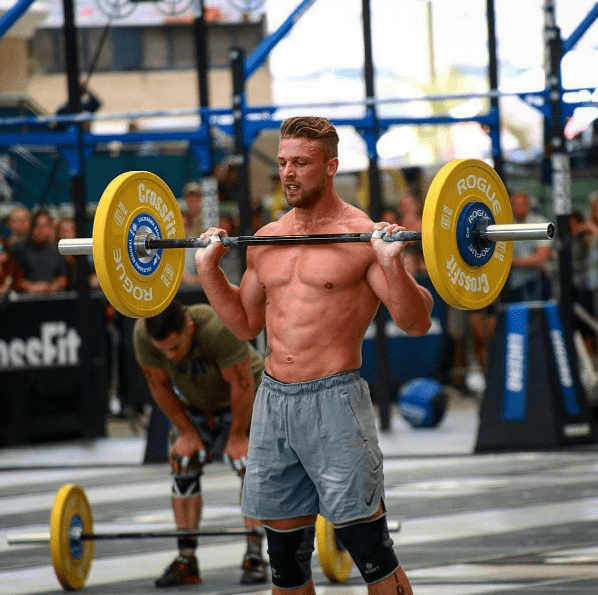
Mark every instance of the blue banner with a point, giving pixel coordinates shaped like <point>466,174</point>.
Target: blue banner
<point>563,363</point>
<point>516,340</point>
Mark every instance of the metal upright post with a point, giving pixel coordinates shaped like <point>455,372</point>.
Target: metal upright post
<point>559,160</point>
<point>241,150</point>
<point>91,426</point>
<point>493,80</point>
<point>382,390</point>
<point>200,33</point>
<point>561,192</point>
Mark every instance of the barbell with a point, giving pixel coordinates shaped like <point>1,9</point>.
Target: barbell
<point>71,539</point>
<point>467,234</point>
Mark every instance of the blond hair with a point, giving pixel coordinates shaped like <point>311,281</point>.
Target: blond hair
<point>314,128</point>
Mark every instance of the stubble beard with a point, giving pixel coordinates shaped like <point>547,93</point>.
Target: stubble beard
<point>306,198</point>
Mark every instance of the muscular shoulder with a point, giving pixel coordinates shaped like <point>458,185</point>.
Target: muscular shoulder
<point>356,219</point>
<point>277,228</point>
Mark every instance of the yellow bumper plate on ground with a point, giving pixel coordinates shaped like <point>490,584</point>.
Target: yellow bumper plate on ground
<point>135,203</point>
<point>335,561</point>
<point>456,185</point>
<point>71,557</point>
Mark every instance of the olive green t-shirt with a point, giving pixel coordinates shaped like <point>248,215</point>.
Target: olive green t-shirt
<point>198,376</point>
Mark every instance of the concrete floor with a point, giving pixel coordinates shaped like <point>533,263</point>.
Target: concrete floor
<point>504,523</point>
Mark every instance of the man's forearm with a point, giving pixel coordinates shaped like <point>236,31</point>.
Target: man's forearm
<point>241,402</point>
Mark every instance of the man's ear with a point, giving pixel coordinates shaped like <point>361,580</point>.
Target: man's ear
<point>332,166</point>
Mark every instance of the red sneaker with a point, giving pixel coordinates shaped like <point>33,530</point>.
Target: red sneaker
<point>183,571</point>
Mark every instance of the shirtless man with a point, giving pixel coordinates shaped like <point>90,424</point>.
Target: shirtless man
<point>313,446</point>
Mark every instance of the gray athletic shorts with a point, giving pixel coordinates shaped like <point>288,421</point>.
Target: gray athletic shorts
<point>313,448</point>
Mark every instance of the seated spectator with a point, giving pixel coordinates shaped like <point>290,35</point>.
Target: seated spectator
<point>66,229</point>
<point>192,195</point>
<point>19,223</point>
<point>44,268</point>
<point>11,276</point>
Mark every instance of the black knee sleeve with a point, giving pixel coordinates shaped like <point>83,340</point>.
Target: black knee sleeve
<point>370,546</point>
<point>186,486</point>
<point>290,556</point>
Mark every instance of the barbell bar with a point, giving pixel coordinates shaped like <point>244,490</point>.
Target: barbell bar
<point>467,239</point>
<point>146,243</point>
<point>77,534</point>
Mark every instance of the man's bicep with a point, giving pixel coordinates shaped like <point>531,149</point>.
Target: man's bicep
<point>253,301</point>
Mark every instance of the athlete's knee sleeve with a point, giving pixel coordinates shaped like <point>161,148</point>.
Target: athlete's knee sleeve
<point>290,556</point>
<point>370,546</point>
<point>187,485</point>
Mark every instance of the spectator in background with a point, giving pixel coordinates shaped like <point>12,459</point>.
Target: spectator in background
<point>410,212</point>
<point>44,268</point>
<point>409,215</point>
<point>231,263</point>
<point>258,217</point>
<point>11,275</point>
<point>192,196</point>
<point>527,280</point>
<point>273,201</point>
<point>591,236</point>
<point>579,229</point>
<point>190,270</point>
<point>390,215</point>
<point>228,184</point>
<point>19,223</point>
<point>67,229</point>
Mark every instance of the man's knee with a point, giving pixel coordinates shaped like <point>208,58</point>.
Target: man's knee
<point>290,553</point>
<point>188,485</point>
<point>370,546</point>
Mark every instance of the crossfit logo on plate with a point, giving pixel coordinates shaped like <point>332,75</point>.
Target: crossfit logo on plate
<point>480,183</point>
<point>472,283</point>
<point>149,196</point>
<point>57,345</point>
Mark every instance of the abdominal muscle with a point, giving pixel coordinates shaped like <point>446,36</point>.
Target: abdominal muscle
<point>314,332</point>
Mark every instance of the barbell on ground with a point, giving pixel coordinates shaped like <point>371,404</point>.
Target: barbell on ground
<point>71,539</point>
<point>467,239</point>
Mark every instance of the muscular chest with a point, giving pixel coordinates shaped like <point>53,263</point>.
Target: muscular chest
<point>333,266</point>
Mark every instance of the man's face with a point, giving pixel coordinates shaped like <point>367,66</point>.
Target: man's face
<point>304,171</point>
<point>43,230</point>
<point>176,346</point>
<point>193,202</point>
<point>19,222</point>
<point>520,205</point>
